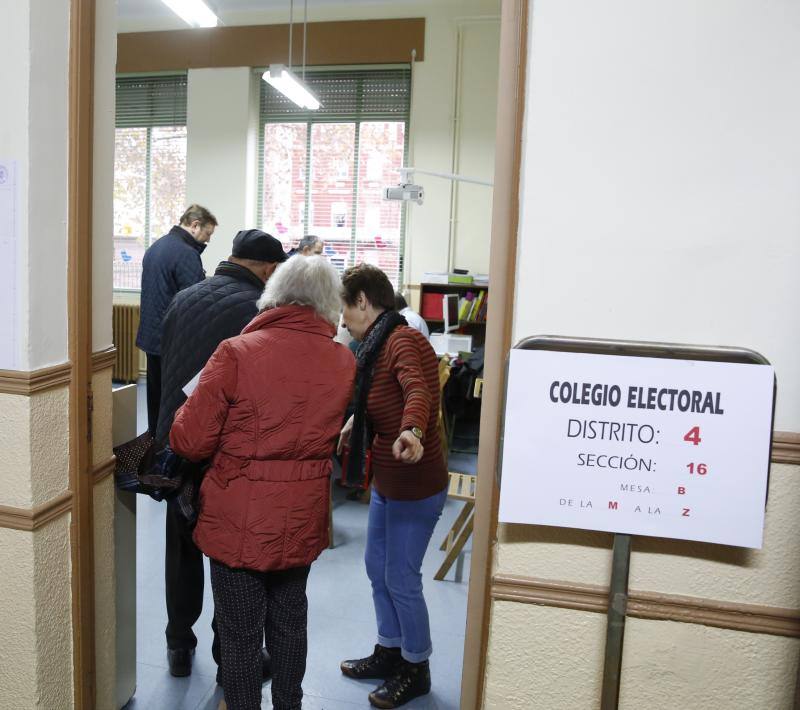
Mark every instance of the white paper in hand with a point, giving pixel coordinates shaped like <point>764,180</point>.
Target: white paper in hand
<point>190,386</point>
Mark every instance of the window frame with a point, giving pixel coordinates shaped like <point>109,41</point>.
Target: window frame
<point>356,117</point>
<point>158,117</point>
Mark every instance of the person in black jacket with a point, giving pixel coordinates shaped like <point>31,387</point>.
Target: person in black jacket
<point>198,320</point>
<point>170,265</point>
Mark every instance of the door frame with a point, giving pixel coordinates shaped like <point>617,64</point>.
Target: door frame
<point>79,311</point>
<point>502,275</point>
<point>499,331</point>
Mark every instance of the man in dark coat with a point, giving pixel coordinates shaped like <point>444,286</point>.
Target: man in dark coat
<point>198,320</point>
<point>170,265</point>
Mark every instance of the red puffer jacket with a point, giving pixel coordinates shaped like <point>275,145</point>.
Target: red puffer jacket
<point>267,411</point>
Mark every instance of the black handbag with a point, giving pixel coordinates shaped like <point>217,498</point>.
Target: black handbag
<point>144,467</point>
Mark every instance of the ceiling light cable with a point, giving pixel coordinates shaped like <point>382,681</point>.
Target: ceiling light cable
<point>291,31</point>
<point>305,32</point>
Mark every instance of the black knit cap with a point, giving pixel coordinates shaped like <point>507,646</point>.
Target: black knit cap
<point>257,245</point>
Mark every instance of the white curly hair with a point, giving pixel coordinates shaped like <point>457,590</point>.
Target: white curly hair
<point>305,281</point>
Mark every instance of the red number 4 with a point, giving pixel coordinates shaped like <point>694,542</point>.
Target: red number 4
<point>693,435</point>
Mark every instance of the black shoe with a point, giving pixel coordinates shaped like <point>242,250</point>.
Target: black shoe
<point>266,668</point>
<point>180,661</point>
<point>383,663</point>
<point>410,681</point>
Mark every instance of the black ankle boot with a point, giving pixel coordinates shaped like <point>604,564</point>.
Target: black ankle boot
<point>383,663</point>
<point>410,681</point>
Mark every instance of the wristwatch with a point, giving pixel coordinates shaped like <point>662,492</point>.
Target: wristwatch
<point>416,431</point>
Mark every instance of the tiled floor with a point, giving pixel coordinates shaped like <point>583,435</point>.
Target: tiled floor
<point>341,621</point>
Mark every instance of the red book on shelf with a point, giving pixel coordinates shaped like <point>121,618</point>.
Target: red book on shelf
<point>431,306</point>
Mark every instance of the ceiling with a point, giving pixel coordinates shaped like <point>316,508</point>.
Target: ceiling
<point>155,9</point>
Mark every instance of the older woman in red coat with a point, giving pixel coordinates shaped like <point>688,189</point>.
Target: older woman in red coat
<point>266,412</point>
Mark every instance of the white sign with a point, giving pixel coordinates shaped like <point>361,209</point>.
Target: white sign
<point>9,227</point>
<point>645,446</point>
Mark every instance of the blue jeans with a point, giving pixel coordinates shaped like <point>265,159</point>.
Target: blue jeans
<point>398,534</point>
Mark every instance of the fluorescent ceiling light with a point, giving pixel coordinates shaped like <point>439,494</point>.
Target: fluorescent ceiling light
<point>193,12</point>
<point>291,86</point>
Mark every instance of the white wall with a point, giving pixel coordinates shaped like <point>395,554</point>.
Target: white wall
<point>35,103</point>
<point>105,60</point>
<point>432,126</point>
<point>479,48</point>
<point>661,184</point>
<point>218,116</point>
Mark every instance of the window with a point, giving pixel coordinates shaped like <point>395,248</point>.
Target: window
<point>149,168</point>
<point>323,172</point>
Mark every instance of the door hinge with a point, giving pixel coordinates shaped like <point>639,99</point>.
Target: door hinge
<point>89,414</point>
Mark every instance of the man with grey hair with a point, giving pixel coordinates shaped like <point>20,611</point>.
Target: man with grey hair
<point>310,245</point>
<point>170,265</point>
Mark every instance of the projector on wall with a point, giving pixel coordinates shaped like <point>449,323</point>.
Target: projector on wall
<point>406,193</point>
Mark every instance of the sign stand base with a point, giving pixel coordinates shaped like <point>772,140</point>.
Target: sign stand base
<point>615,630</point>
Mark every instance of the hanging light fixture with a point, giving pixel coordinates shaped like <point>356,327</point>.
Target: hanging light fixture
<point>284,79</point>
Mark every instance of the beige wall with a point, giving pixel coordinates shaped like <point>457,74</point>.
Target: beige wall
<point>52,593</point>
<point>36,656</point>
<point>668,665</point>
<point>650,211</point>
<point>432,128</point>
<point>543,657</point>
<point>18,616</point>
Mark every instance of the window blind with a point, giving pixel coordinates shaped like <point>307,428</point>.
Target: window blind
<point>323,172</point>
<point>149,168</point>
<point>150,101</point>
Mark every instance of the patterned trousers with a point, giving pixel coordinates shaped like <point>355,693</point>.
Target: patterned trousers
<point>248,604</point>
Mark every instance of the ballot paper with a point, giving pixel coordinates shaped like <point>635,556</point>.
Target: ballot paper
<point>190,386</point>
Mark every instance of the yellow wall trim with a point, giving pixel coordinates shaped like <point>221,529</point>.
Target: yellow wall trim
<point>32,518</point>
<point>28,383</point>
<point>786,447</point>
<point>103,359</point>
<point>650,605</point>
<point>104,469</point>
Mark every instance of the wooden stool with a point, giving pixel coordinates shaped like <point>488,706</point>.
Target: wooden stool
<point>462,487</point>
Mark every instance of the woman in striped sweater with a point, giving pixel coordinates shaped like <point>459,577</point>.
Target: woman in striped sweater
<point>397,405</point>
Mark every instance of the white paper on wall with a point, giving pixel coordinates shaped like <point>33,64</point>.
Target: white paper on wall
<point>646,446</point>
<point>9,229</point>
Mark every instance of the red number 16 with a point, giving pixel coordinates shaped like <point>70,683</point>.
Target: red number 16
<point>700,468</point>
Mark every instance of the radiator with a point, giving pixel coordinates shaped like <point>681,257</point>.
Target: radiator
<point>126,323</point>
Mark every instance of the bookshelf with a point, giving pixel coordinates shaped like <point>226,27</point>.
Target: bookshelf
<point>473,324</point>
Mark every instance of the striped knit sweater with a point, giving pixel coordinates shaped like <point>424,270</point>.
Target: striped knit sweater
<point>404,394</point>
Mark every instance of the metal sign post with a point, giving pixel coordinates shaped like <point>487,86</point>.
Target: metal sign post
<point>618,588</point>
